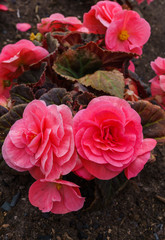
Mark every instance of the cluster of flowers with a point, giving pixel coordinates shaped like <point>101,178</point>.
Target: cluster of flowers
<point>100,141</point>
<point>124,30</point>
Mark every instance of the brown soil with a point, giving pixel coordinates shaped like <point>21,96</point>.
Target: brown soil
<point>136,211</point>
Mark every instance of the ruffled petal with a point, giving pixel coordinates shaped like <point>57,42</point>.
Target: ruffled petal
<point>143,156</point>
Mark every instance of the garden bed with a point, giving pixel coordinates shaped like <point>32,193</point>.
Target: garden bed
<point>137,208</point>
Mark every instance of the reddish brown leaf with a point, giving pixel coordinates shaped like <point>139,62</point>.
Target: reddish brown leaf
<point>152,119</point>
<point>109,59</point>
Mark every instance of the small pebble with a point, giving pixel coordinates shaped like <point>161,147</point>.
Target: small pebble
<point>15,199</point>
<point>156,236</point>
<point>6,206</point>
<point>5,225</point>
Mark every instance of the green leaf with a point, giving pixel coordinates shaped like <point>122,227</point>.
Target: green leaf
<point>108,58</point>
<point>77,64</point>
<point>88,59</point>
<point>152,119</point>
<point>111,82</point>
<point>57,96</point>
<point>21,94</point>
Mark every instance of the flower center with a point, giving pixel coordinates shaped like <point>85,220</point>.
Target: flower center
<point>123,35</point>
<point>58,186</point>
<point>37,37</point>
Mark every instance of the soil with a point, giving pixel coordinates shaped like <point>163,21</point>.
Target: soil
<point>136,209</point>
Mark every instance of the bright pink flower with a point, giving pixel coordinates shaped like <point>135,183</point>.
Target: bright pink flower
<point>57,22</point>
<point>148,1</point>
<point>158,82</point>
<point>109,138</point>
<point>97,20</point>
<point>57,196</point>
<point>23,27</point>
<point>42,141</point>
<point>158,66</point>
<point>128,32</point>
<point>3,8</point>
<point>81,171</point>
<point>15,58</point>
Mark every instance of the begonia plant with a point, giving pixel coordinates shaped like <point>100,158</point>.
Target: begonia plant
<point>71,104</point>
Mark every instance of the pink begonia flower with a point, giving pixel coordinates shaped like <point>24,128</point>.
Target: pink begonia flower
<point>158,89</point>
<point>158,82</point>
<point>128,32</point>
<point>158,66</point>
<point>99,17</point>
<point>81,171</point>
<point>57,22</point>
<point>23,27</point>
<point>42,142</point>
<point>109,138</point>
<point>16,58</point>
<point>148,1</point>
<point>3,8</point>
<point>57,196</point>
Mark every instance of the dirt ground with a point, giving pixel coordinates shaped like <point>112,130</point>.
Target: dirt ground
<point>136,211</point>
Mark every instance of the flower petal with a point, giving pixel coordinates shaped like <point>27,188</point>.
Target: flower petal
<point>143,155</point>
<point>23,27</point>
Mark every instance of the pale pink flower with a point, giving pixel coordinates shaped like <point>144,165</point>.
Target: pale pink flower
<point>159,66</point>
<point>57,22</point>
<point>158,82</point>
<point>128,32</point>
<point>42,141</point>
<point>16,58</point>
<point>109,138</point>
<point>57,196</point>
<point>99,17</point>
<point>23,27</point>
<point>158,89</point>
<point>148,1</point>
